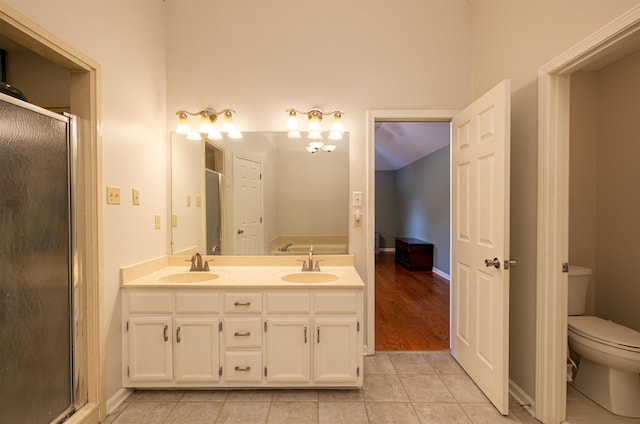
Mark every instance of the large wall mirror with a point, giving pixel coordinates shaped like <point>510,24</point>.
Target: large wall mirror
<point>264,194</point>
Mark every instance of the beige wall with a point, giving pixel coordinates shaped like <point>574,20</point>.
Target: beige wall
<point>618,204</point>
<point>512,39</point>
<point>603,218</point>
<point>583,172</point>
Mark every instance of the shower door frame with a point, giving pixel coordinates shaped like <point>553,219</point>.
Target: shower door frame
<point>86,96</point>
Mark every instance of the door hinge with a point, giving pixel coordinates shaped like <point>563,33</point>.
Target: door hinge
<point>220,372</point>
<point>265,371</point>
<point>220,326</point>
<point>565,266</point>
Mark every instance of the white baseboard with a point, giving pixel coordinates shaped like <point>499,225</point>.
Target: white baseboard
<point>116,400</point>
<point>441,273</point>
<point>522,397</point>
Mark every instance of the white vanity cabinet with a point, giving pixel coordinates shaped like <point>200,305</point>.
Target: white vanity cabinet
<point>171,337</point>
<point>242,337</point>
<point>314,337</point>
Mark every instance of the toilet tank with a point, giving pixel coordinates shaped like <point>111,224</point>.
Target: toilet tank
<point>578,285</point>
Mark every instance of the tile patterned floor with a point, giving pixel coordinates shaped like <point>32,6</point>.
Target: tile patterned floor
<point>581,410</point>
<point>403,388</point>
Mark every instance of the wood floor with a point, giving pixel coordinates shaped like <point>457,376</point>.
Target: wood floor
<point>412,308</point>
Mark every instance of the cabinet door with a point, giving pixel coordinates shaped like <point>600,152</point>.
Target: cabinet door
<point>288,349</point>
<point>150,358</point>
<point>197,356</point>
<point>336,350</point>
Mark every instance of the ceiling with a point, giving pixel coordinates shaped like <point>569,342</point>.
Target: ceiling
<point>399,144</point>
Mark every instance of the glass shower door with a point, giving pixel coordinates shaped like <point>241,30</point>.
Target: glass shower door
<point>35,273</point>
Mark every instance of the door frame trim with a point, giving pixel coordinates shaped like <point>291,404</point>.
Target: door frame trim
<point>373,115</point>
<point>619,36</point>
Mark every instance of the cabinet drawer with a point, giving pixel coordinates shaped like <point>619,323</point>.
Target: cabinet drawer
<point>329,303</point>
<point>288,303</point>
<point>197,302</point>
<point>242,332</point>
<point>243,366</point>
<point>149,302</point>
<point>243,303</point>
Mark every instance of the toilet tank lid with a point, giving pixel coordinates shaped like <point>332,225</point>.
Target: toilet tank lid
<point>602,329</point>
<point>576,270</point>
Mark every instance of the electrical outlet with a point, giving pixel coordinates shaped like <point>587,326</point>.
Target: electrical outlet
<point>113,195</point>
<point>135,196</point>
<point>357,198</point>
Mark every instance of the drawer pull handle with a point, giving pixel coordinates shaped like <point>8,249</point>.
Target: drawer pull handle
<point>178,335</point>
<point>318,334</point>
<point>243,368</point>
<point>305,334</point>
<point>166,333</point>
<point>247,334</point>
<point>242,303</point>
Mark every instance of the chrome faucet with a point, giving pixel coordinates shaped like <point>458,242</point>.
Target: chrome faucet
<point>310,266</point>
<point>197,264</point>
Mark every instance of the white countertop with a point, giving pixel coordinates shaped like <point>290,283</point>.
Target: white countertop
<point>229,276</point>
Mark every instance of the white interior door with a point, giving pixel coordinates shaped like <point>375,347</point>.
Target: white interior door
<point>247,207</point>
<point>480,140</point>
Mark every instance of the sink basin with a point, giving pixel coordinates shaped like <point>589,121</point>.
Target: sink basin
<point>188,277</point>
<point>310,277</point>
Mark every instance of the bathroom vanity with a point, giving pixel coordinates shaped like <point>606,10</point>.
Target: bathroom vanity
<point>252,322</point>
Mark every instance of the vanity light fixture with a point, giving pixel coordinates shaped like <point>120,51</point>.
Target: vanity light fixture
<point>314,128</point>
<point>208,117</point>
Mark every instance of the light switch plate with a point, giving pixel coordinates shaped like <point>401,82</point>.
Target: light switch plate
<point>113,195</point>
<point>357,198</point>
<point>198,201</point>
<point>188,200</point>
<point>135,196</point>
<point>157,221</point>
<point>174,219</point>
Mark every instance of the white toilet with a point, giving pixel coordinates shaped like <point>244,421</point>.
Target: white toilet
<point>609,368</point>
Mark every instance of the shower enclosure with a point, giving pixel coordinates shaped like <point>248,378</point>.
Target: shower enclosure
<point>41,348</point>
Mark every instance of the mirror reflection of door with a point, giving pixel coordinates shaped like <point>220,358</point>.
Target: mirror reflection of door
<point>213,186</point>
<point>247,206</point>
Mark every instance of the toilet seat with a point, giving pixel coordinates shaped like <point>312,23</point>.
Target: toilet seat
<point>606,332</point>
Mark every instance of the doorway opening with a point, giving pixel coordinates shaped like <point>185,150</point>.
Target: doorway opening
<point>410,199</point>
<point>610,43</point>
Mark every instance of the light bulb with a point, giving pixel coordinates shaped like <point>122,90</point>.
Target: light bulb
<point>316,144</point>
<point>194,136</point>
<point>227,124</point>
<point>183,124</point>
<point>292,122</point>
<point>314,121</point>
<point>336,125</point>
<point>205,124</point>
<point>236,135</point>
<point>214,135</point>
<point>315,135</point>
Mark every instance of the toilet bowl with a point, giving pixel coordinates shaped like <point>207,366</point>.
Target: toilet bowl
<point>609,367</point>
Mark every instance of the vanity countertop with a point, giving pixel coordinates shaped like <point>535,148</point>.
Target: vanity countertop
<point>232,273</point>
